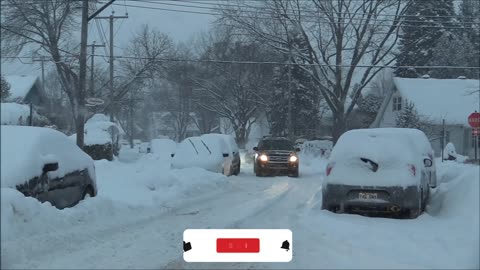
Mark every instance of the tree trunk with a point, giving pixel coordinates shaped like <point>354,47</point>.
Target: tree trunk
<point>339,126</point>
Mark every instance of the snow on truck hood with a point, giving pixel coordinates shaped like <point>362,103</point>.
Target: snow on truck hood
<point>25,150</point>
<point>394,158</point>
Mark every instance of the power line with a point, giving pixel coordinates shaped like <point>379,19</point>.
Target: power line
<point>220,7</point>
<point>269,19</point>
<point>263,62</point>
<point>205,2</point>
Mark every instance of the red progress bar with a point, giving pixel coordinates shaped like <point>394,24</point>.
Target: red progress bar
<point>238,245</point>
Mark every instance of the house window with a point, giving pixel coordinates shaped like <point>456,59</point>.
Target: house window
<point>397,104</point>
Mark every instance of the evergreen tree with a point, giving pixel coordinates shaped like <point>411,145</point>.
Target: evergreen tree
<point>5,89</point>
<point>454,50</point>
<point>408,117</point>
<point>470,20</point>
<point>305,100</point>
<point>426,22</point>
<point>278,110</point>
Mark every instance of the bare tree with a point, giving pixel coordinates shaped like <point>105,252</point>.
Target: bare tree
<point>234,92</point>
<point>348,41</point>
<point>47,26</point>
<point>145,62</point>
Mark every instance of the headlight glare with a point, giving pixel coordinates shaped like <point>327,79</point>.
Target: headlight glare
<point>263,157</point>
<point>293,159</point>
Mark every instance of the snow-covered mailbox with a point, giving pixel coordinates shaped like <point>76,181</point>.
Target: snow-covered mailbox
<point>101,137</point>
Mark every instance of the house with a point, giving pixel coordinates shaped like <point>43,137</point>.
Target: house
<point>26,90</point>
<point>436,100</point>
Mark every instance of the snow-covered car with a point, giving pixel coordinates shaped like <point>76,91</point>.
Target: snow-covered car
<point>144,148</point>
<point>163,148</point>
<point>45,164</point>
<point>317,148</point>
<point>209,152</point>
<point>233,151</point>
<point>102,137</point>
<point>372,171</point>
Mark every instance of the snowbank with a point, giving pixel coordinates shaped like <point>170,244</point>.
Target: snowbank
<point>25,150</point>
<point>444,237</point>
<point>17,114</point>
<point>124,190</point>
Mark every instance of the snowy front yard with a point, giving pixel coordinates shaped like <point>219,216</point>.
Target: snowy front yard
<point>142,208</point>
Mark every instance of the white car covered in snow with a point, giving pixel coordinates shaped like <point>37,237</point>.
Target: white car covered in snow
<point>209,151</point>
<point>373,171</point>
<point>45,164</point>
<point>163,148</point>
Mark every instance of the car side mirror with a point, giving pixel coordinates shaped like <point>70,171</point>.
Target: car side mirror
<point>428,162</point>
<point>225,154</point>
<point>50,167</point>
<point>297,149</point>
<point>172,155</point>
<point>255,148</point>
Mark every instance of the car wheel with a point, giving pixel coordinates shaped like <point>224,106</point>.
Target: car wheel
<point>87,193</point>
<point>294,174</point>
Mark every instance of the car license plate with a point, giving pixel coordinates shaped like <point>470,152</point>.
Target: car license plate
<point>367,195</point>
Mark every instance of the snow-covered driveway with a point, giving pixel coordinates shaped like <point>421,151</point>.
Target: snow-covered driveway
<point>138,219</point>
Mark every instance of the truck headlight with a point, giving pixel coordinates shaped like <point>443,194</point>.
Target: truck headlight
<point>263,157</point>
<point>293,159</point>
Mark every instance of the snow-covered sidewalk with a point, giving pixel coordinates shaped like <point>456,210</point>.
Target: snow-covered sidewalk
<point>138,218</point>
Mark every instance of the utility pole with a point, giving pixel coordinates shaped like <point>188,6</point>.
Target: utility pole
<point>80,106</point>
<point>92,81</point>
<point>112,94</point>
<point>42,60</point>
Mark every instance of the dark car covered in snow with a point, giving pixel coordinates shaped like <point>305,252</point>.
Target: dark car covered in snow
<point>276,155</point>
<point>373,171</point>
<point>45,164</point>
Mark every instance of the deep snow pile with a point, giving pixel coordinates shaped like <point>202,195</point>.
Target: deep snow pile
<point>444,237</point>
<point>124,189</point>
<point>25,150</point>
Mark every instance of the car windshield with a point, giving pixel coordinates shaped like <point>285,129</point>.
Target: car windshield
<point>275,145</point>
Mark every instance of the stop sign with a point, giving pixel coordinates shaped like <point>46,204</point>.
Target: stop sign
<point>474,120</point>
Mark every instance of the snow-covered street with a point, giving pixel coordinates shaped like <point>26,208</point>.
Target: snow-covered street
<point>138,218</point>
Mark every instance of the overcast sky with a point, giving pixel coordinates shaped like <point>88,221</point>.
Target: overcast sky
<point>180,26</point>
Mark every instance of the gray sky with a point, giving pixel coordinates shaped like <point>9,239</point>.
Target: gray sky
<point>180,26</point>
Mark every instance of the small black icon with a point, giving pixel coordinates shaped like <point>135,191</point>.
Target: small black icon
<point>286,245</point>
<point>187,246</point>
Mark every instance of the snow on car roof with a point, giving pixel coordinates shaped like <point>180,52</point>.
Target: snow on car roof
<point>27,149</point>
<point>437,99</point>
<point>375,144</point>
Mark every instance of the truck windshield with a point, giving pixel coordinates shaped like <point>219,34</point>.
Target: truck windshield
<point>275,145</point>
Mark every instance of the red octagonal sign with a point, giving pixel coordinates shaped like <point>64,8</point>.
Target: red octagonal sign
<point>474,120</point>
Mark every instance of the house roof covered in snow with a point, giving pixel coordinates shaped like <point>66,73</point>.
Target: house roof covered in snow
<point>436,99</point>
<point>20,86</point>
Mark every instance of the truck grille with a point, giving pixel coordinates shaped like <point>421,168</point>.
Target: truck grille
<point>278,158</point>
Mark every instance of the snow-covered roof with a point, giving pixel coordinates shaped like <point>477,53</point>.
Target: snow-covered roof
<point>20,86</point>
<point>436,99</point>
